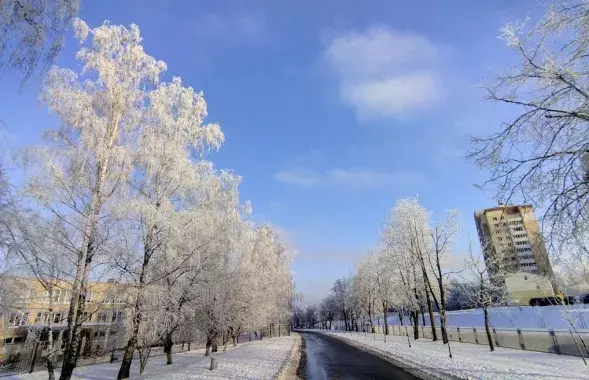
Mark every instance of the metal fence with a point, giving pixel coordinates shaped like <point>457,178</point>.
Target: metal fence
<point>561,342</point>
<point>17,359</point>
<point>26,358</point>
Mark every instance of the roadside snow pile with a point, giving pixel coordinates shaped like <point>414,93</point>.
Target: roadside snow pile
<point>256,360</point>
<point>472,361</point>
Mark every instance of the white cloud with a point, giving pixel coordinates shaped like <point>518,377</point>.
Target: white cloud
<point>298,176</point>
<point>385,73</point>
<point>354,177</point>
<point>234,27</point>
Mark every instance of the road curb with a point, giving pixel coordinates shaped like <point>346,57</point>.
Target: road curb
<point>289,369</point>
<point>406,366</point>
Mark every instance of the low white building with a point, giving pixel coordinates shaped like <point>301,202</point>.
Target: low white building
<point>523,286</point>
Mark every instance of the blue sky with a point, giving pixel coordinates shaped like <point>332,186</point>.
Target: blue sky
<point>331,109</point>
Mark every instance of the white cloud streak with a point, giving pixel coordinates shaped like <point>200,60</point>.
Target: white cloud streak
<point>384,73</point>
<point>235,27</point>
<point>354,177</point>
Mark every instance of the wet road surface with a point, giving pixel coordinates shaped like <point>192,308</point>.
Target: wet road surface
<point>327,358</point>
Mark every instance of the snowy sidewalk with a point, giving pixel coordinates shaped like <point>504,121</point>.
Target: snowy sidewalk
<point>248,361</point>
<point>471,361</point>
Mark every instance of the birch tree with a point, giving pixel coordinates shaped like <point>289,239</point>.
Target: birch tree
<point>442,238</point>
<point>168,166</point>
<point>489,275</point>
<point>365,286</point>
<point>42,256</point>
<point>341,291</point>
<point>89,159</point>
<point>406,233</point>
<point>541,155</point>
<point>32,33</point>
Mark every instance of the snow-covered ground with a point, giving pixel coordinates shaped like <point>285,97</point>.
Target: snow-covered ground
<point>471,361</point>
<point>256,360</point>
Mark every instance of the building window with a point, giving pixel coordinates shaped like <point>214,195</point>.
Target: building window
<point>494,218</point>
<point>103,317</point>
<point>57,318</point>
<point>500,238</point>
<point>26,296</point>
<point>116,316</point>
<point>18,319</point>
<point>90,296</point>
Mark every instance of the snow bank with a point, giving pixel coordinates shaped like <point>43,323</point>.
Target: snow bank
<point>471,361</point>
<point>256,360</point>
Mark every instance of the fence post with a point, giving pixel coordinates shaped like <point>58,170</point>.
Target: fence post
<point>521,339</point>
<point>459,337</point>
<point>476,337</point>
<point>554,341</point>
<point>35,349</point>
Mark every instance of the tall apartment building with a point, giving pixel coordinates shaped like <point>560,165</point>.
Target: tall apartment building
<point>512,232</point>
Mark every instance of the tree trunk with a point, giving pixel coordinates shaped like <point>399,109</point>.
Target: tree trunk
<point>430,310</point>
<point>72,351</point>
<point>442,309</point>
<point>124,370</point>
<point>168,343</point>
<point>488,329</point>
<point>385,315</point>
<point>415,317</point>
<point>225,341</point>
<point>208,346</point>
<point>77,302</point>
<point>50,369</point>
<point>443,324</point>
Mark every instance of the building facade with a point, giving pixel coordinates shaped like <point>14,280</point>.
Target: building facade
<point>522,286</point>
<point>511,233</point>
<point>36,312</point>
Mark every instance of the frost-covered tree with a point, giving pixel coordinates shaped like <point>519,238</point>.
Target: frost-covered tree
<point>541,155</point>
<point>41,255</point>
<point>89,159</point>
<point>441,238</point>
<point>365,286</point>
<point>328,309</point>
<point>488,275</point>
<point>406,233</point>
<point>32,32</point>
<point>342,294</point>
<point>169,170</point>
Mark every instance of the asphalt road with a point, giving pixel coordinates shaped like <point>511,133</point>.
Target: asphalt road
<point>327,358</point>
